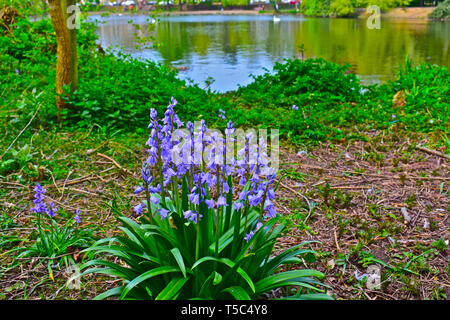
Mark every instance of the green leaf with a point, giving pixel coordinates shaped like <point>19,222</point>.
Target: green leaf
<point>184,196</point>
<point>230,264</point>
<point>127,273</point>
<point>309,296</point>
<point>179,259</point>
<point>114,292</point>
<point>147,275</point>
<point>228,209</point>
<point>227,237</point>
<point>215,278</point>
<point>278,279</point>
<point>237,292</point>
<point>285,256</point>
<point>172,288</point>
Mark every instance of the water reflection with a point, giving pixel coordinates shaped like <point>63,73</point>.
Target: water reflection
<point>230,48</point>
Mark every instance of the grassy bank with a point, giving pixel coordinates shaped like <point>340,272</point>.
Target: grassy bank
<point>116,92</point>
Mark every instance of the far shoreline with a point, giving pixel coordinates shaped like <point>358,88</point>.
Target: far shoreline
<point>414,13</point>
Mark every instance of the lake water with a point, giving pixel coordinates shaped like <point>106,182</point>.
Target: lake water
<point>229,48</point>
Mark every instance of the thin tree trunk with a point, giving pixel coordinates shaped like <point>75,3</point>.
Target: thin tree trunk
<point>67,60</point>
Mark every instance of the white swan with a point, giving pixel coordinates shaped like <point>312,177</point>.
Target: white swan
<point>276,19</point>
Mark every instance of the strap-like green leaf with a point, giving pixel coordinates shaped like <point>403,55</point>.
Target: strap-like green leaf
<point>127,272</point>
<point>283,257</point>
<point>237,292</point>
<point>278,279</point>
<point>215,278</point>
<point>309,296</point>
<point>227,237</point>
<point>172,288</point>
<point>147,275</point>
<point>230,264</point>
<point>114,292</point>
<point>179,259</point>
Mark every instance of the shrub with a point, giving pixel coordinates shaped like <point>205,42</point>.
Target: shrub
<point>442,11</point>
<point>427,97</point>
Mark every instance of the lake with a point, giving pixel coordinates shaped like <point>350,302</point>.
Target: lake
<point>229,48</point>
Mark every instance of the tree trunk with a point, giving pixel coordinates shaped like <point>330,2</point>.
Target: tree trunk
<point>67,60</point>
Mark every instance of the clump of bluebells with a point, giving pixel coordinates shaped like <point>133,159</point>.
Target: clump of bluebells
<point>198,157</point>
<point>55,237</point>
<point>207,226</point>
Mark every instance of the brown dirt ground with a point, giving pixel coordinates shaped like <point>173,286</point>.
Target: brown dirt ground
<point>387,188</point>
<point>405,177</point>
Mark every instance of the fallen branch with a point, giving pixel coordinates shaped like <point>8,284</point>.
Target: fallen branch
<point>351,187</point>
<point>306,199</point>
<point>12,184</point>
<point>115,163</point>
<point>436,153</point>
<point>23,130</point>
<point>88,177</point>
<point>82,191</point>
<point>64,185</point>
<point>336,241</point>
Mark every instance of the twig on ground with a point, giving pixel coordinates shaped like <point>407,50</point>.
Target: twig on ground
<point>115,163</point>
<point>83,191</point>
<point>23,130</point>
<point>306,199</point>
<point>64,186</point>
<point>336,241</point>
<point>436,153</point>
<point>54,182</point>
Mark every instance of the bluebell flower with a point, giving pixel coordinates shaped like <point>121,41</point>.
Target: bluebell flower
<point>252,233</point>
<point>256,199</point>
<point>222,114</point>
<point>210,203</point>
<point>192,216</point>
<point>153,114</point>
<point>175,155</point>
<point>270,194</point>
<point>154,199</point>
<point>53,210</point>
<point>238,206</point>
<point>139,189</point>
<point>173,101</point>
<point>39,203</point>
<point>229,130</point>
<point>194,198</point>
<point>226,188</point>
<point>249,236</point>
<point>146,174</point>
<point>294,107</point>
<point>138,209</point>
<point>221,202</point>
<point>243,195</point>
<point>77,216</point>
<point>163,213</point>
<point>271,210</point>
